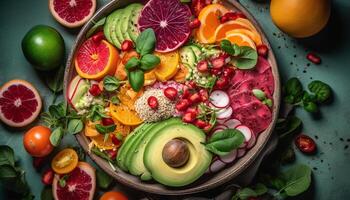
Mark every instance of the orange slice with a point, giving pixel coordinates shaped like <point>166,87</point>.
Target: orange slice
<point>125,115</point>
<point>209,18</point>
<point>99,142</point>
<point>90,130</point>
<point>252,35</point>
<point>128,96</point>
<point>150,77</point>
<point>65,161</point>
<point>168,66</point>
<point>95,60</point>
<point>222,29</point>
<point>120,73</point>
<point>240,39</point>
<point>181,74</point>
<point>248,23</point>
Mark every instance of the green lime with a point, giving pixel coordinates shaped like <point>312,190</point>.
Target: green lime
<point>43,47</point>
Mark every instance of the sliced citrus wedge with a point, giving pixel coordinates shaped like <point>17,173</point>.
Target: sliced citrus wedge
<point>248,23</point>
<point>168,66</point>
<point>222,29</point>
<point>125,115</point>
<point>252,35</point>
<point>100,142</point>
<point>241,40</point>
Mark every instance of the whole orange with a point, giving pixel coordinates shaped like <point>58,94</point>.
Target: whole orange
<point>113,195</point>
<point>36,141</point>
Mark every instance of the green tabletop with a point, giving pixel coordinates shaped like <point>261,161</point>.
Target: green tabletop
<point>332,162</point>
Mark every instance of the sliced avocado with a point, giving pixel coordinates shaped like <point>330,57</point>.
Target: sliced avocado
<point>129,140</point>
<point>125,20</point>
<point>133,31</point>
<point>188,58</point>
<point>198,161</point>
<point>108,24</point>
<point>135,164</point>
<point>197,52</point>
<point>115,17</point>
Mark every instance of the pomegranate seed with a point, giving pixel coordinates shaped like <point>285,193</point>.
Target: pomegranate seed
<point>228,72</point>
<point>182,105</point>
<point>195,23</point>
<point>200,123</point>
<point>170,93</point>
<point>107,121</point>
<point>189,117</point>
<point>115,140</point>
<point>202,66</point>
<point>127,45</point>
<point>262,50</point>
<point>305,144</point>
<point>215,71</point>
<point>313,58</point>
<point>47,177</point>
<point>207,128</point>
<point>186,92</point>
<point>98,37</point>
<point>195,98</point>
<point>228,17</point>
<point>204,95</point>
<point>218,62</point>
<point>224,19</point>
<point>240,15</point>
<point>222,83</point>
<point>112,153</point>
<point>152,102</point>
<point>38,162</point>
<point>95,90</point>
<point>192,110</point>
<point>197,6</point>
<point>191,84</point>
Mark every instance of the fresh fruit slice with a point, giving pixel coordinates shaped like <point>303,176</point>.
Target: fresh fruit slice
<point>168,66</point>
<point>72,13</point>
<point>252,35</point>
<point>80,184</point>
<point>133,31</point>
<point>150,77</point>
<point>20,103</point>
<point>170,22</point>
<point>90,129</point>
<point>181,74</point>
<point>65,161</point>
<point>100,142</point>
<point>222,29</point>
<point>209,18</point>
<point>188,57</point>
<point>124,115</point>
<point>126,19</point>
<point>128,96</point>
<point>109,28</point>
<point>95,60</point>
<point>248,23</point>
<point>77,88</point>
<point>241,40</point>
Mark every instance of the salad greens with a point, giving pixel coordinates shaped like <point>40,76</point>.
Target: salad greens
<point>223,142</point>
<point>111,83</point>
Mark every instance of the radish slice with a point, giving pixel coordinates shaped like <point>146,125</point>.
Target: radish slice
<point>224,113</point>
<point>216,166</point>
<point>221,126</point>
<point>240,152</point>
<point>219,99</point>
<point>229,158</point>
<point>232,123</point>
<point>252,141</point>
<point>245,131</point>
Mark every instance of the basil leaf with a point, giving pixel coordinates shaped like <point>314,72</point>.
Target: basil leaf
<point>46,194</point>
<point>75,126</point>
<point>223,142</point>
<point>56,136</point>
<point>322,90</point>
<point>54,80</point>
<point>298,179</point>
<point>136,79</point>
<point>7,172</point>
<point>226,46</point>
<point>293,90</point>
<point>97,112</point>
<point>237,49</point>
<point>132,63</point>
<point>101,154</point>
<point>105,129</point>
<point>247,58</point>
<point>149,61</point>
<point>97,25</point>
<point>58,111</point>
<point>145,42</point>
<point>103,179</point>
<point>7,155</point>
<point>110,83</point>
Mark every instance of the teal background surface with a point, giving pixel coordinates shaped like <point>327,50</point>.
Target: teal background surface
<point>331,130</point>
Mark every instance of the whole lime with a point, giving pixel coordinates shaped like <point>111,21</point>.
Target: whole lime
<point>43,46</point>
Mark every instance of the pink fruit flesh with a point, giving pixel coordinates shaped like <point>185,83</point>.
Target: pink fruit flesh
<point>170,22</point>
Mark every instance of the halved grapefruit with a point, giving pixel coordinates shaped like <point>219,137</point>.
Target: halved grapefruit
<point>20,103</point>
<point>72,13</point>
<point>95,60</point>
<point>170,22</point>
<point>79,184</point>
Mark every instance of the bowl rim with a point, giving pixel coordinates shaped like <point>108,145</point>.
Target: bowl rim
<point>216,179</point>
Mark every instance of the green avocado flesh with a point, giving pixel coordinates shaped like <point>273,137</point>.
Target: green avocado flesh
<point>133,31</point>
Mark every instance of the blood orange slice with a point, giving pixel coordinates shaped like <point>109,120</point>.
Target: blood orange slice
<point>72,13</point>
<point>79,184</point>
<point>20,103</point>
<point>95,60</point>
<point>170,21</point>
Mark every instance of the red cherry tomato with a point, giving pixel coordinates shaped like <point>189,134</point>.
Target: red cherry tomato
<point>95,90</point>
<point>222,83</point>
<point>113,195</point>
<point>47,177</point>
<point>195,23</point>
<point>305,143</point>
<point>36,141</point>
<point>189,117</point>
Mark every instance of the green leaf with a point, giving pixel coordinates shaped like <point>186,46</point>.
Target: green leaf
<point>149,61</point>
<point>101,154</point>
<point>289,126</point>
<point>103,179</point>
<point>145,42</point>
<point>99,24</point>
<point>7,172</point>
<point>56,136</point>
<point>245,193</point>
<point>46,194</point>
<point>223,142</point>
<point>260,189</point>
<point>247,58</point>
<point>105,129</point>
<point>310,107</point>
<point>298,180</point>
<point>268,102</point>
<point>75,126</point>
<point>81,153</point>
<point>293,91</point>
<point>136,79</point>
<point>132,63</point>
<point>185,1</point>
<point>7,156</point>
<point>226,46</point>
<point>55,81</point>
<point>110,83</point>
<point>322,90</point>
<point>97,112</point>
<point>58,111</point>
<point>115,100</point>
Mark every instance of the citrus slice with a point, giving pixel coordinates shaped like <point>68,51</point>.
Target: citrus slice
<point>209,18</point>
<point>20,103</point>
<point>240,39</point>
<point>125,115</point>
<point>181,74</point>
<point>150,77</point>
<point>90,129</point>
<point>95,60</point>
<point>252,35</point>
<point>122,129</point>
<point>128,96</point>
<point>222,29</point>
<point>168,66</point>
<point>248,23</point>
<point>65,161</point>
<point>100,142</point>
<point>120,73</point>
<point>79,184</point>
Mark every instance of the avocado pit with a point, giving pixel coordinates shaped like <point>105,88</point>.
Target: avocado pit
<point>175,153</point>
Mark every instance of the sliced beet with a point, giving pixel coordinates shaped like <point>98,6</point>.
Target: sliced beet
<point>242,98</point>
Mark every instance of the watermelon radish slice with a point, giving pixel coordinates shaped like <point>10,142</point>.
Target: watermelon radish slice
<point>246,132</point>
<point>229,158</point>
<point>224,113</point>
<point>216,165</point>
<point>232,123</point>
<point>241,152</point>
<point>219,99</point>
<point>252,141</point>
<point>170,21</point>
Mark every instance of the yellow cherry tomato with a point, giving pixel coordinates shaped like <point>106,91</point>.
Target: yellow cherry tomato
<point>65,161</point>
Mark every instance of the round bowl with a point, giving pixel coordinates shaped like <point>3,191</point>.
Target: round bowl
<point>207,181</point>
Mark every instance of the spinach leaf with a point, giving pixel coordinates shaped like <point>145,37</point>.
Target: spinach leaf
<point>255,191</point>
<point>97,25</point>
<point>247,58</point>
<point>115,100</point>
<point>75,126</point>
<point>7,171</point>
<point>97,112</point>
<point>246,193</point>
<point>145,42</point>
<point>56,136</point>
<point>7,156</point>
<point>105,129</point>
<point>111,83</point>
<point>310,107</point>
<point>132,63</point>
<point>103,179</point>
<point>58,111</point>
<point>322,90</point>
<point>297,178</point>
<point>226,46</point>
<point>149,61</point>
<point>293,91</point>
<point>289,126</point>
<point>223,142</point>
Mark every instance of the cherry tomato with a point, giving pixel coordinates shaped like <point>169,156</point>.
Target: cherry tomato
<point>65,161</point>
<point>36,141</point>
<point>95,90</point>
<point>305,143</point>
<point>182,105</point>
<point>47,177</point>
<point>195,23</point>
<point>113,195</point>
